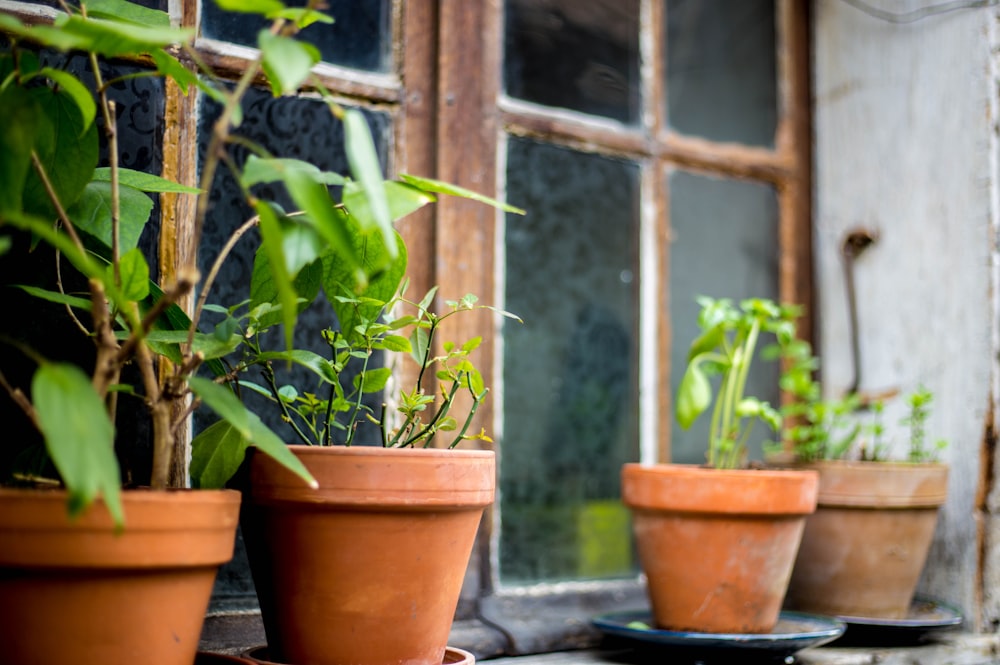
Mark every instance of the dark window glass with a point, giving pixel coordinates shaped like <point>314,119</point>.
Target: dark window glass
<point>720,64</point>
<point>360,36</point>
<point>582,56</point>
<point>569,373</point>
<point>152,4</point>
<point>725,245</point>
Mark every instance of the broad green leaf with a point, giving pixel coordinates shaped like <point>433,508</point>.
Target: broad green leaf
<point>68,164</point>
<point>134,273</point>
<point>77,91</point>
<point>263,7</point>
<point>272,243</point>
<point>363,158</point>
<point>92,214</point>
<point>287,62</point>
<point>302,17</point>
<point>247,426</point>
<point>44,35</point>
<point>259,169</point>
<point>396,343</point>
<point>419,342</point>
<point>216,453</point>
<point>112,38</point>
<point>707,341</point>
<point>694,394</point>
<point>263,289</point>
<point>210,346</point>
<point>338,278</point>
<point>373,380</point>
<point>402,200</point>
<point>127,11</point>
<point>79,436</point>
<point>170,67</point>
<point>144,182</point>
<point>17,136</point>
<point>438,187</point>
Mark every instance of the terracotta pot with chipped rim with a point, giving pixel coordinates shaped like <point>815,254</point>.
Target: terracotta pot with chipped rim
<point>865,547</point>
<point>717,546</point>
<point>367,569</point>
<point>79,591</point>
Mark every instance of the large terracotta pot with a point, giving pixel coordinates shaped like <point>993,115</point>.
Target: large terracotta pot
<point>863,551</point>
<point>717,546</point>
<point>78,591</point>
<point>367,569</point>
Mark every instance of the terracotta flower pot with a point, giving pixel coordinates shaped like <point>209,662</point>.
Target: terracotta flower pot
<point>366,570</point>
<point>717,546</point>
<point>863,551</point>
<point>77,591</point>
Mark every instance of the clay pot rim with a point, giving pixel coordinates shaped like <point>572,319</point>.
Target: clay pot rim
<point>458,656</point>
<point>381,451</point>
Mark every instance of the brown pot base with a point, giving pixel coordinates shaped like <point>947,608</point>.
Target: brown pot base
<point>452,656</point>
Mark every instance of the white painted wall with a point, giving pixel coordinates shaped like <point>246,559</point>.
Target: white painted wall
<point>905,145</point>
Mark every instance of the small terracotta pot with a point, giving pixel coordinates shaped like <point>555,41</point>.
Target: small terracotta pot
<point>77,591</point>
<point>452,656</point>
<point>863,551</point>
<point>367,569</point>
<point>717,546</point>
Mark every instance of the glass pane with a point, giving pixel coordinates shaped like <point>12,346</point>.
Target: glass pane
<point>570,411</point>
<point>360,36</point>
<point>725,245</point>
<point>582,56</point>
<point>721,71</point>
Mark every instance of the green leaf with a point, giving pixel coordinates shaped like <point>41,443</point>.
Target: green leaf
<point>438,187</point>
<point>68,164</point>
<point>216,453</point>
<point>287,62</point>
<point>259,169</point>
<point>363,158</point>
<point>134,273</point>
<point>170,67</point>
<point>694,394</point>
<point>373,380</point>
<point>77,91</point>
<point>264,290</point>
<point>338,278</point>
<point>247,426</point>
<point>112,39</point>
<point>127,11</point>
<point>272,243</point>
<point>210,346</point>
<point>44,35</point>
<point>92,214</point>
<point>263,7</point>
<point>402,200</point>
<point>419,342</point>
<point>79,436</point>
<point>144,182</point>
<point>314,362</point>
<point>396,343</point>
<point>21,123</point>
<point>303,17</point>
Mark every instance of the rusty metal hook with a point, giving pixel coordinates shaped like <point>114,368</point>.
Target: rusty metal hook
<point>855,243</point>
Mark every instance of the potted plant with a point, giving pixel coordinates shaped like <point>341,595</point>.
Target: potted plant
<point>146,350</point>
<point>717,541</point>
<point>863,550</point>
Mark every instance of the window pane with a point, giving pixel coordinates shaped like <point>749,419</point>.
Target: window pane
<point>569,384</point>
<point>582,56</point>
<point>360,36</point>
<point>725,245</point>
<point>720,64</point>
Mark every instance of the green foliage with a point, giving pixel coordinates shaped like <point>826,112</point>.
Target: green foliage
<point>726,347</point>
<point>52,187</point>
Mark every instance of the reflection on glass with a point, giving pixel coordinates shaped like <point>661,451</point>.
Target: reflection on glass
<point>582,56</point>
<point>570,411</point>
<point>360,36</point>
<point>298,128</point>
<point>720,68</point>
<point>725,245</point>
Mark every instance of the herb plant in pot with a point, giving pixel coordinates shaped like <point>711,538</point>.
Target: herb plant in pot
<point>367,569</point>
<point>864,549</point>
<point>54,194</point>
<point>717,542</point>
